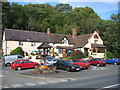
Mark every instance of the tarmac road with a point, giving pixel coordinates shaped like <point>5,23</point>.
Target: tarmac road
<point>94,77</point>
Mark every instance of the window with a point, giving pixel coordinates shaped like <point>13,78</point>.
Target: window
<point>20,56</point>
<point>20,43</point>
<point>95,41</point>
<point>32,43</point>
<point>65,41</point>
<point>60,51</point>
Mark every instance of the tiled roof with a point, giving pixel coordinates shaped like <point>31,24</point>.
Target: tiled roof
<point>82,40</point>
<point>20,35</point>
<point>98,46</point>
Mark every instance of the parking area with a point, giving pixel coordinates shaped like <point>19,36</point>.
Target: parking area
<point>14,79</point>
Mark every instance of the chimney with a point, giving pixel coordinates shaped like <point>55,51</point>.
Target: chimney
<point>74,33</point>
<point>48,30</point>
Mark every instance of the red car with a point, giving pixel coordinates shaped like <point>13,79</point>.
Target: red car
<point>85,64</point>
<point>97,61</point>
<point>23,63</point>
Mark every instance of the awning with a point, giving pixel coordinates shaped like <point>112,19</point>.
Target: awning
<point>98,46</point>
<point>36,51</point>
<point>64,47</point>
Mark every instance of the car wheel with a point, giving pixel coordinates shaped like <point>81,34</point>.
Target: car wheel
<point>98,65</point>
<point>55,67</point>
<point>68,69</point>
<point>8,64</point>
<point>35,66</point>
<point>19,68</point>
<point>115,63</point>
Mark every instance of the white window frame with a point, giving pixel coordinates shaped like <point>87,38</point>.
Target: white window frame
<point>20,43</point>
<point>33,44</point>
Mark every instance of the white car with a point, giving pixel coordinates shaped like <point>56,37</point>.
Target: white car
<point>50,62</point>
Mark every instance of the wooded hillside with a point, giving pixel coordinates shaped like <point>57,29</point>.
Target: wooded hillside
<point>61,19</point>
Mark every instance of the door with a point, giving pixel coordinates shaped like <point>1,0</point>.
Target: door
<point>86,51</point>
<point>64,53</point>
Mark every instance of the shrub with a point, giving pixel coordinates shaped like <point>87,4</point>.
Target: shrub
<point>18,50</point>
<point>77,55</point>
<point>69,58</point>
<point>108,55</point>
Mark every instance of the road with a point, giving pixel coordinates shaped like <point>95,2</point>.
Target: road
<point>94,77</point>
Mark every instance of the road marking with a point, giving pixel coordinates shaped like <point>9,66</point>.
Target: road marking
<point>5,86</point>
<point>2,75</point>
<point>108,86</point>
<point>16,85</point>
<point>42,82</point>
<point>30,84</point>
<point>111,86</point>
<point>99,68</point>
<point>52,81</point>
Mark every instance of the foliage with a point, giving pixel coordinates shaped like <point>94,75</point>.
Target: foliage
<point>18,50</point>
<point>77,55</point>
<point>108,55</point>
<point>68,58</point>
<point>61,19</point>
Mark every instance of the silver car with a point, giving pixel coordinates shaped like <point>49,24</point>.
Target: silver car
<point>50,62</point>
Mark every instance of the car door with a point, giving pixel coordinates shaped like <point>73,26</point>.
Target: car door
<point>94,61</point>
<point>29,64</point>
<point>23,64</point>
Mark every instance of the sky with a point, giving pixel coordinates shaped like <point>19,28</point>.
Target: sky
<point>104,8</point>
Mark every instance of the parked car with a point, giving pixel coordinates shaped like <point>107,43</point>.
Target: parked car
<point>8,60</point>
<point>84,63</point>
<point>97,61</point>
<point>113,60</point>
<point>50,62</point>
<point>24,63</point>
<point>67,65</point>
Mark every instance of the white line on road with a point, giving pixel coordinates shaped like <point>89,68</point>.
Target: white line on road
<point>30,84</point>
<point>16,85</point>
<point>109,86</point>
<point>42,82</point>
<point>2,75</point>
<point>5,86</point>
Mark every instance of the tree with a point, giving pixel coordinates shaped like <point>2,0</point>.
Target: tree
<point>63,7</point>
<point>18,50</point>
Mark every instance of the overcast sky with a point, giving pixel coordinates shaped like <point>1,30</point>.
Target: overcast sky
<point>104,8</point>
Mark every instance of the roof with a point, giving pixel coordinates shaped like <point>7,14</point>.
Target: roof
<point>98,46</point>
<point>44,45</point>
<point>22,35</point>
<point>82,40</point>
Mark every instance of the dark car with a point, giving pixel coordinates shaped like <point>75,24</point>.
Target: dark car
<point>97,61</point>
<point>67,65</point>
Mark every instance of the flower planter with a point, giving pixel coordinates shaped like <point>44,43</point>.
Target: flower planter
<point>44,70</point>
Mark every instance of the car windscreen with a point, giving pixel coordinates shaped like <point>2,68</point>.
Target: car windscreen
<point>84,61</point>
<point>69,62</point>
<point>49,59</point>
<point>76,61</point>
<point>101,59</point>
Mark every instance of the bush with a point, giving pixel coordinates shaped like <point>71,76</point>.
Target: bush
<point>77,55</point>
<point>69,58</point>
<point>18,50</point>
<point>108,55</point>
